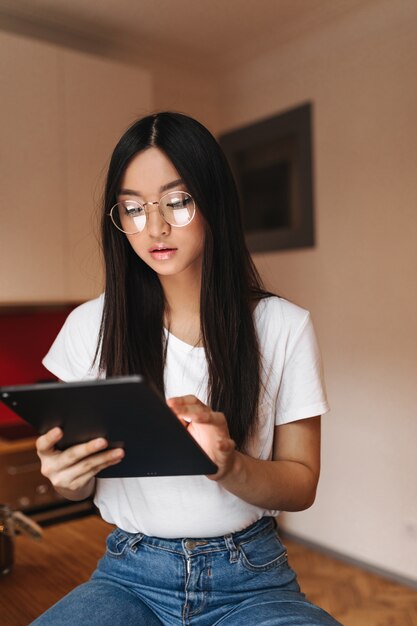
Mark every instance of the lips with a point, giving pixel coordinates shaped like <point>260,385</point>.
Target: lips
<point>162,253</point>
<point>160,249</point>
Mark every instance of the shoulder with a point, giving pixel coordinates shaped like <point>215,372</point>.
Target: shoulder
<point>88,312</point>
<point>280,314</point>
<point>291,360</point>
<point>72,355</point>
<point>283,327</point>
<point>84,321</point>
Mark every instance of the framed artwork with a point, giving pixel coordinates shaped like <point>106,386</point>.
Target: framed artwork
<point>272,163</point>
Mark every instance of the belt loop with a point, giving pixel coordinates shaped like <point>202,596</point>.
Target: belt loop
<point>231,546</point>
<point>135,541</point>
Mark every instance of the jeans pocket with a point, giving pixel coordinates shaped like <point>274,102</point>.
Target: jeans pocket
<point>117,543</point>
<point>263,553</point>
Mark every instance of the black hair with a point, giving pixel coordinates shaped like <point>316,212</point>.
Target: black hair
<point>132,338</point>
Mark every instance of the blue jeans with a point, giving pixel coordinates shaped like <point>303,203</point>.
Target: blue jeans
<point>241,579</point>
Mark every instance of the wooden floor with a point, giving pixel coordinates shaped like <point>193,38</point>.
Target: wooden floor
<point>45,571</point>
<point>352,596</point>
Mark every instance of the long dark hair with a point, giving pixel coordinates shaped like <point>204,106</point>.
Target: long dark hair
<point>132,339</point>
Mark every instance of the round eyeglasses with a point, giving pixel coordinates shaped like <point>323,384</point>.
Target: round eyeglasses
<point>177,208</point>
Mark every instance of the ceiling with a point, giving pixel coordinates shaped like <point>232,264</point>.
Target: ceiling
<point>210,35</point>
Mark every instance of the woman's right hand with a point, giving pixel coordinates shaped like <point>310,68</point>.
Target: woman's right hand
<point>72,471</point>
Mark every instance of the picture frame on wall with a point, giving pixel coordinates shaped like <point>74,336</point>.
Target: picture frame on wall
<point>271,160</point>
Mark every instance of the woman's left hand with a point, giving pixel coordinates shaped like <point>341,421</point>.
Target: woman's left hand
<point>209,429</point>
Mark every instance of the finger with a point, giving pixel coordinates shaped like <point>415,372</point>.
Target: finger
<point>184,400</point>
<point>77,475</point>
<point>190,409</point>
<point>209,417</point>
<point>226,446</point>
<point>45,443</point>
<point>84,479</point>
<point>77,453</point>
<point>223,457</point>
<point>55,462</point>
<point>95,463</point>
<point>185,421</point>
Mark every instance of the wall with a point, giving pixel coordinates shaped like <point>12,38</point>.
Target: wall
<point>182,90</point>
<point>360,278</point>
<point>63,112</point>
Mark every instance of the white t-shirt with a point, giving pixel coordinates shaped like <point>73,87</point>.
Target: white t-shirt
<point>194,506</point>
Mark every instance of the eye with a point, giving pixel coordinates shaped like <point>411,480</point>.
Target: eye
<point>132,208</point>
<point>179,203</point>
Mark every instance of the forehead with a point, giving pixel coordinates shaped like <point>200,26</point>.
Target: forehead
<point>148,171</point>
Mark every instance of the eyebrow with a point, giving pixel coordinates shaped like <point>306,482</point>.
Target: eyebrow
<point>132,192</point>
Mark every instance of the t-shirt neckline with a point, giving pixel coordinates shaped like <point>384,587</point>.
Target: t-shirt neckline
<point>187,347</point>
<point>183,345</point>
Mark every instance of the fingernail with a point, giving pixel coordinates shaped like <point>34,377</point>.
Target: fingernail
<point>100,443</point>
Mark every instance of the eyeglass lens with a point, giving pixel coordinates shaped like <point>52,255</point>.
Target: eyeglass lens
<point>177,208</point>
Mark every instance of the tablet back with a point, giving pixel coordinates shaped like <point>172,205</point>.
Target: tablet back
<point>123,410</point>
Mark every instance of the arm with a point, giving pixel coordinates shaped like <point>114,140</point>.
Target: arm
<point>287,483</point>
<point>72,472</point>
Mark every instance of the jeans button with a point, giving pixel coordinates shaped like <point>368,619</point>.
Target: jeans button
<point>190,545</point>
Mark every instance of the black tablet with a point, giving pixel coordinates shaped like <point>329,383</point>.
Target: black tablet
<point>125,411</point>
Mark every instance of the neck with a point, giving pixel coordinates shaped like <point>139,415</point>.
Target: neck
<point>182,311</point>
<point>182,293</point>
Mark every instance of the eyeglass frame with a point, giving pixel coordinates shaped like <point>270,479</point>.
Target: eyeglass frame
<point>144,205</point>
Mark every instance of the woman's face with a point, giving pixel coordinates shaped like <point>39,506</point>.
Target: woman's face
<point>168,250</point>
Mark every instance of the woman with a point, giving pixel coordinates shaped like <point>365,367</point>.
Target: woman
<point>184,306</point>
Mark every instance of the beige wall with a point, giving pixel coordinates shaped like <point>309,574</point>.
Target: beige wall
<point>176,89</point>
<point>360,279</point>
<point>59,124</point>
<point>63,112</point>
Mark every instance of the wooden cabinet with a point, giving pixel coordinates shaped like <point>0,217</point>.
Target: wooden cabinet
<point>62,113</point>
<point>22,485</point>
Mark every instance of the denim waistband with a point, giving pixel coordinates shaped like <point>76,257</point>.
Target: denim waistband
<point>193,545</point>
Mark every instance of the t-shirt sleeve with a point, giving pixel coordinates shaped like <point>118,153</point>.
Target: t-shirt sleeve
<point>302,391</point>
<point>71,356</point>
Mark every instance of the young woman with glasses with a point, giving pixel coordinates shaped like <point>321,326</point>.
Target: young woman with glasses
<point>240,367</point>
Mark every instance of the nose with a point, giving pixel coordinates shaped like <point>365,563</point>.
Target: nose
<point>155,223</point>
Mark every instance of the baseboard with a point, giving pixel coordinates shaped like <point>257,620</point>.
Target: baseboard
<point>373,569</point>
